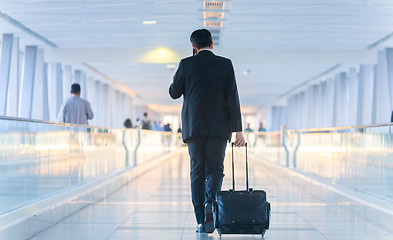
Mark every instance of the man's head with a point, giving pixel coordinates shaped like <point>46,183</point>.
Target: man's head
<point>145,114</point>
<point>76,89</point>
<point>201,39</point>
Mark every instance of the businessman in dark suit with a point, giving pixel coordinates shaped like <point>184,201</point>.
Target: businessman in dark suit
<point>211,112</point>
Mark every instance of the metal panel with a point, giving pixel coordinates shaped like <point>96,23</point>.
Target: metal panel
<point>384,103</point>
<point>77,76</point>
<point>27,85</point>
<point>67,82</point>
<point>84,87</point>
<point>45,93</point>
<point>55,90</point>
<point>316,104</point>
<point>14,81</point>
<point>366,91</point>
<point>353,96</point>
<point>104,105</point>
<point>5,66</point>
<point>38,94</point>
<point>344,99</point>
<point>323,105</point>
<point>96,104</point>
<point>374,96</point>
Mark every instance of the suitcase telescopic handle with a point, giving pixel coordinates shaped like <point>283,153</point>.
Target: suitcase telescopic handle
<point>233,168</point>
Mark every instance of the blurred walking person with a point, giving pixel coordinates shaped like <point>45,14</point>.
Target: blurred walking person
<point>76,110</point>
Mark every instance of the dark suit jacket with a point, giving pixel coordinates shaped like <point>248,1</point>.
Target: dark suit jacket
<point>211,102</point>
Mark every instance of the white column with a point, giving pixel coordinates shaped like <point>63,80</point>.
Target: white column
<point>323,105</point>
<point>5,67</point>
<point>374,96</point>
<point>308,107</point>
<point>389,62</point>
<point>316,104</point>
<point>38,94</point>
<point>303,117</point>
<point>96,104</point>
<point>337,110</point>
<point>14,82</point>
<point>83,84</point>
<point>109,108</point>
<point>77,76</point>
<point>90,89</point>
<point>104,104</point>
<point>45,95</point>
<point>344,99</point>
<point>296,112</point>
<point>67,82</point>
<point>330,107</point>
<point>353,96</point>
<point>366,83</point>
<point>27,85</point>
<point>123,110</point>
<point>289,113</point>
<point>383,103</point>
<point>55,92</point>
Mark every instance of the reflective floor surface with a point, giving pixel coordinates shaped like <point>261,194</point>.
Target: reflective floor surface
<point>158,206</point>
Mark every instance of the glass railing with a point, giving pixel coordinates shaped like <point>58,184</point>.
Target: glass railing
<point>39,159</point>
<point>357,157</point>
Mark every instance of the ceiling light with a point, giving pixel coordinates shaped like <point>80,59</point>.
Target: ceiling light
<point>149,22</point>
<point>212,24</point>
<point>218,15</point>
<point>160,55</point>
<point>246,72</point>
<point>214,5</point>
<point>170,66</point>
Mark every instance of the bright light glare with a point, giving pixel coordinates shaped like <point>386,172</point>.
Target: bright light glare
<point>160,55</point>
<point>149,22</point>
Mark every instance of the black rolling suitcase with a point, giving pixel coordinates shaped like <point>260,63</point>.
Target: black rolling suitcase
<point>242,212</point>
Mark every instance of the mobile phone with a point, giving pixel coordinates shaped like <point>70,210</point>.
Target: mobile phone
<point>193,52</point>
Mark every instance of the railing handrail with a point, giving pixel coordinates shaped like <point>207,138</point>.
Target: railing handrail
<point>339,128</point>
<point>328,129</point>
<point>73,125</point>
<point>309,130</point>
<point>18,119</point>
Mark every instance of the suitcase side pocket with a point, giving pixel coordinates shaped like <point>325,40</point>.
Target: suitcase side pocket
<point>268,215</point>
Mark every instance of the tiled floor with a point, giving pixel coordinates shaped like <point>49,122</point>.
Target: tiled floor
<point>158,206</point>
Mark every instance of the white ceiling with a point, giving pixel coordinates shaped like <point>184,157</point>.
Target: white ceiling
<point>248,24</point>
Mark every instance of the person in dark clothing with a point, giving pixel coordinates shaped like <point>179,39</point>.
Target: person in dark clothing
<point>210,113</point>
<point>167,127</point>
<point>128,123</point>
<point>146,123</point>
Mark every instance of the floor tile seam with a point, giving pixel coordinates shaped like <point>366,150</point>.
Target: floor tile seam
<point>317,230</point>
<point>184,225</point>
<point>117,228</point>
<point>135,210</point>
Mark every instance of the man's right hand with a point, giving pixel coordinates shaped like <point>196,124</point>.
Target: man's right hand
<point>240,142</point>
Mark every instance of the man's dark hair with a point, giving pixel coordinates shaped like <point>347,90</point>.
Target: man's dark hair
<point>128,123</point>
<point>201,38</point>
<point>145,114</point>
<point>75,88</point>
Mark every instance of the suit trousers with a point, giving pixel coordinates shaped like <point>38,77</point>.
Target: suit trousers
<point>207,170</point>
